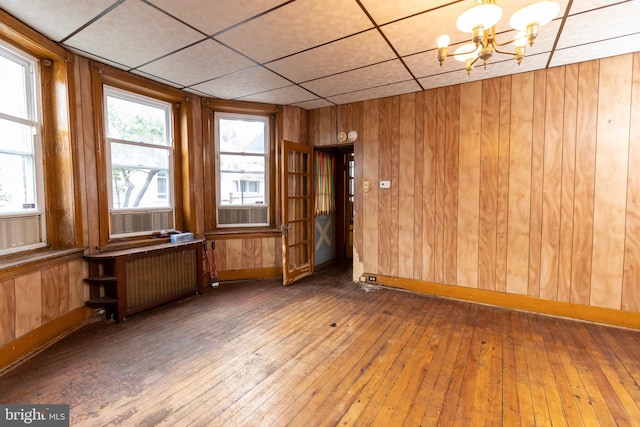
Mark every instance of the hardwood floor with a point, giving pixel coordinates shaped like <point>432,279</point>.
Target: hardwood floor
<point>326,352</point>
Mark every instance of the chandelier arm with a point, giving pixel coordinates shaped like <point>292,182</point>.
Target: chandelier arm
<point>504,53</point>
<point>474,61</point>
<point>496,44</point>
<point>461,53</point>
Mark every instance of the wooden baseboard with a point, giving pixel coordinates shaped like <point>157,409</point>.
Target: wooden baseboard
<point>250,273</point>
<point>26,345</point>
<point>518,302</point>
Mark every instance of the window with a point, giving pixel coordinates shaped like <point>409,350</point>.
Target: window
<point>22,219</point>
<point>242,160</point>
<point>140,158</point>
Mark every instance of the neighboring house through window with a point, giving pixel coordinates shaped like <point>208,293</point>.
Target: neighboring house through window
<point>22,219</point>
<point>242,159</point>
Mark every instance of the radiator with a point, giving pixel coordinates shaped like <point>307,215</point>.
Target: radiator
<point>160,277</point>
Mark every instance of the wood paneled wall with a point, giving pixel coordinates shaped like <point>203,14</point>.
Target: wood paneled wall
<point>526,184</point>
<point>34,299</point>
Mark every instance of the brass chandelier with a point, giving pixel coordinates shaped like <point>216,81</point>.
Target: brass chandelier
<point>480,22</point>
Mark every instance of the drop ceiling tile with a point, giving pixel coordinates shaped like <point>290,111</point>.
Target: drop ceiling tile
<point>243,83</point>
<point>421,32</point>
<point>613,21</point>
<point>584,5</point>
<point>376,92</point>
<point>134,33</point>
<point>55,19</point>
<point>157,79</point>
<point>283,96</point>
<point>211,17</point>
<point>352,52</point>
<point>203,61</point>
<point>313,104</point>
<point>603,49</point>
<point>299,25</point>
<point>426,64</point>
<point>362,78</point>
<point>386,11</point>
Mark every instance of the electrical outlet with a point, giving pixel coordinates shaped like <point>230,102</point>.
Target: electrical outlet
<point>373,279</point>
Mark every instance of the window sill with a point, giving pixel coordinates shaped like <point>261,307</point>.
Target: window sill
<point>243,234</point>
<point>34,261</point>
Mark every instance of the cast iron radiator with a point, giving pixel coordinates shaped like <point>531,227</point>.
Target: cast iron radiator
<point>160,277</point>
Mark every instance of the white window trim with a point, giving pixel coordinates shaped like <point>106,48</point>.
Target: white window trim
<point>169,147</point>
<point>267,182</point>
<point>34,108</point>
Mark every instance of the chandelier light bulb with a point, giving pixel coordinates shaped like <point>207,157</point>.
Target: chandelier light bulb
<point>467,51</point>
<point>443,41</point>
<point>540,13</point>
<point>483,15</point>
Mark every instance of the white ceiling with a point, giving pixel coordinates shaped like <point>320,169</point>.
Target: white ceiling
<point>313,53</point>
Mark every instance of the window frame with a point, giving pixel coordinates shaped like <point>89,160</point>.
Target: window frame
<point>268,177</point>
<point>183,131</point>
<point>34,119</point>
<point>210,107</point>
<point>130,96</point>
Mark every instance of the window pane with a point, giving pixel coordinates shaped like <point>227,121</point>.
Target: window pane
<point>13,88</point>
<point>17,183</point>
<point>242,180</point>
<point>139,176</point>
<point>16,137</point>
<point>242,136</point>
<point>138,156</point>
<point>138,188</point>
<point>133,121</point>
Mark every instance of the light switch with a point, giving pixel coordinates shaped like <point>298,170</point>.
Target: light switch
<point>385,184</point>
<point>366,185</point>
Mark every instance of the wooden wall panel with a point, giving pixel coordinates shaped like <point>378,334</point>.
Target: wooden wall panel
<point>384,196</point>
<point>417,183</point>
<point>488,193</point>
<point>537,183</point>
<point>394,208</point>
<point>370,172</point>
<point>268,250</point>
<point>568,182</point>
<point>78,291</point>
<point>520,183</point>
<point>430,140</point>
<point>406,184</point>
<point>469,184</point>
<point>28,300</point>
<point>221,250</point>
<point>586,116</point>
<point>504,148</point>
<point>552,190</point>
<point>248,260</point>
<point>441,106</point>
<point>234,254</point>
<point>63,291</point>
<point>631,279</point>
<point>451,167</point>
<point>50,294</point>
<point>612,156</point>
<point>7,312</point>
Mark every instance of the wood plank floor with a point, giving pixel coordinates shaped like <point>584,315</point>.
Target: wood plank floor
<point>325,352</point>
